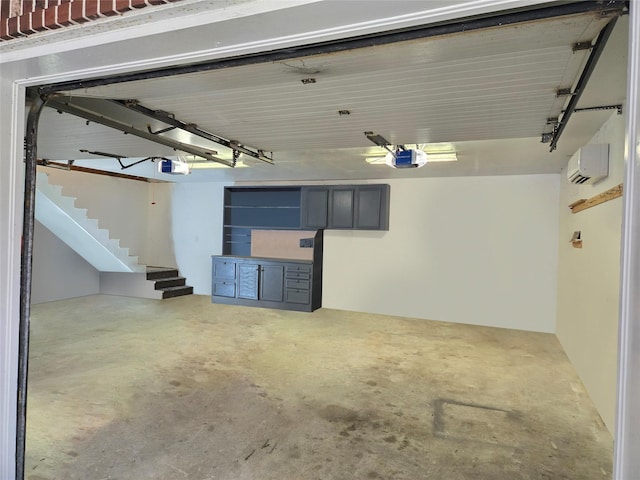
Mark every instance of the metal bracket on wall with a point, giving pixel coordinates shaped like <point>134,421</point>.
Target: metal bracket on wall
<point>581,46</point>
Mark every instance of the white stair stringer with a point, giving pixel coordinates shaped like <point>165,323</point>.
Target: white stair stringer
<point>59,214</point>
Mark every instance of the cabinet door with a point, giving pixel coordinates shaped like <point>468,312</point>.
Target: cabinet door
<point>314,207</point>
<point>341,207</point>
<point>371,207</point>
<point>248,280</point>
<point>271,283</point>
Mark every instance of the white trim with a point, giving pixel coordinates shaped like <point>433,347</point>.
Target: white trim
<point>12,200</point>
<point>627,438</point>
<point>208,17</point>
<point>193,13</point>
<point>127,26</point>
<point>61,56</point>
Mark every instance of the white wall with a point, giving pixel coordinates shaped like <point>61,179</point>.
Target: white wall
<point>588,278</point>
<point>136,213</point>
<point>11,202</point>
<point>159,247</point>
<point>58,271</point>
<point>119,205</point>
<point>197,231</point>
<point>477,250</point>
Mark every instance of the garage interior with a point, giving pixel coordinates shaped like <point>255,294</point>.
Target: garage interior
<point>474,339</point>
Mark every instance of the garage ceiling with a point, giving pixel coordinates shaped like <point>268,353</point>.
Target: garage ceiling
<point>487,92</point>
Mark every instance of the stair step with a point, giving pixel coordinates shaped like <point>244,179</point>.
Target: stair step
<point>171,292</point>
<point>163,283</point>
<point>154,273</point>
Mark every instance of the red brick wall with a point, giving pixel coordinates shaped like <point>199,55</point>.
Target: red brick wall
<point>25,17</point>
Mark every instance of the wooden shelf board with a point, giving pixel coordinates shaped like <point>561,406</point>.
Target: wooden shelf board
<point>605,196</point>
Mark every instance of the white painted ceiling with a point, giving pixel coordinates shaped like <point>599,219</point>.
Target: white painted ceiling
<point>487,92</point>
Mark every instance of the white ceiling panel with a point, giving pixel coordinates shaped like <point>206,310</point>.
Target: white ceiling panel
<point>465,88</point>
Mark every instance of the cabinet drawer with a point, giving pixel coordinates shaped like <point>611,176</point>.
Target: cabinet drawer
<point>297,268</point>
<point>292,295</point>
<point>224,289</point>
<point>297,275</point>
<point>297,283</point>
<point>225,270</point>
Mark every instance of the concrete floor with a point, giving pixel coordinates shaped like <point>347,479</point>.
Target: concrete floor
<point>130,389</point>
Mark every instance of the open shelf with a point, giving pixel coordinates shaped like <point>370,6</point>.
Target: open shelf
<point>249,208</point>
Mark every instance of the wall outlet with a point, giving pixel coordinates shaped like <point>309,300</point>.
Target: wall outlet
<point>306,243</point>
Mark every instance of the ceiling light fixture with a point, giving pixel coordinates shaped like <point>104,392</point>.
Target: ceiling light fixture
<point>199,163</point>
<point>431,157</point>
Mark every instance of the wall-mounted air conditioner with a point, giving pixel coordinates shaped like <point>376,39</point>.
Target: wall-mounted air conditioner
<point>589,164</point>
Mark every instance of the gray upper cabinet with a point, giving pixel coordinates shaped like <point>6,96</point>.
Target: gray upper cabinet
<point>360,207</point>
<point>341,207</point>
<point>372,207</point>
<point>315,201</point>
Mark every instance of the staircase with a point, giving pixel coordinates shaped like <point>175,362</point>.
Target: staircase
<point>81,233</point>
<point>120,272</point>
<point>156,282</point>
<point>168,282</point>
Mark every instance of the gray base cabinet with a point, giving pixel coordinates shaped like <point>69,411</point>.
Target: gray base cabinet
<point>271,283</point>
<point>224,278</point>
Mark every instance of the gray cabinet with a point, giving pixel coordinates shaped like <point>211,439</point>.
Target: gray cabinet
<point>224,278</point>
<point>248,280</point>
<point>272,283</point>
<point>341,207</point>
<point>371,207</point>
<point>359,207</point>
<point>297,283</point>
<point>315,201</point>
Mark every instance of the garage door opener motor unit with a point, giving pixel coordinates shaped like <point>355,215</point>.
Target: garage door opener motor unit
<point>589,164</point>
<point>173,167</point>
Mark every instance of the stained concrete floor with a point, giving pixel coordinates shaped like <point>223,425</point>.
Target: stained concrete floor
<point>130,389</point>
